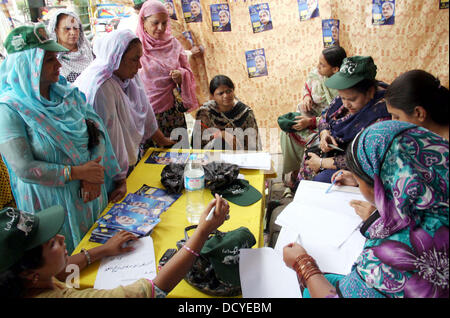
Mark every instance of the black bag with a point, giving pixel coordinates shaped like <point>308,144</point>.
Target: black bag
<point>217,174</point>
<point>172,178</point>
<point>220,174</point>
<point>204,275</point>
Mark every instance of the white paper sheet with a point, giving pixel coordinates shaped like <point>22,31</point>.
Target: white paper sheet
<point>326,218</point>
<point>330,259</point>
<point>264,275</point>
<point>127,268</point>
<point>248,160</point>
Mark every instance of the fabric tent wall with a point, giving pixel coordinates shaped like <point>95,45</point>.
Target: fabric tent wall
<point>418,39</point>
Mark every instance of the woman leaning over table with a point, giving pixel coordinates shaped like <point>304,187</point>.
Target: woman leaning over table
<point>54,145</point>
<point>360,103</point>
<point>402,169</point>
<point>65,27</point>
<point>112,86</point>
<point>28,269</point>
<point>418,97</point>
<point>165,70</point>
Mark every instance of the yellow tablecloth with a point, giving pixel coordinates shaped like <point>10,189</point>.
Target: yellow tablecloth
<point>173,221</point>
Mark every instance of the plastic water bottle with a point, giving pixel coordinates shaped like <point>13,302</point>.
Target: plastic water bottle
<point>194,184</point>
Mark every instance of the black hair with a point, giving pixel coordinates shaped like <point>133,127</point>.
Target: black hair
<point>138,7</point>
<point>94,134</point>
<point>131,44</point>
<point>353,164</point>
<point>419,88</point>
<point>334,55</point>
<point>11,284</point>
<point>365,85</point>
<point>220,80</point>
<point>59,17</point>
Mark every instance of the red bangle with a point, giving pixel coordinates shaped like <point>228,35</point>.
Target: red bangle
<point>191,251</point>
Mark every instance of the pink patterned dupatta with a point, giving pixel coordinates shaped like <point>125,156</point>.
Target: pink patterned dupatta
<point>159,58</point>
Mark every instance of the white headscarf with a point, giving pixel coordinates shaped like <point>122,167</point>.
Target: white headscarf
<point>137,119</point>
<point>73,63</point>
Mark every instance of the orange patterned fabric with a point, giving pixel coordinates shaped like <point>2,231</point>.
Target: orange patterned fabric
<point>418,39</point>
<point>6,197</point>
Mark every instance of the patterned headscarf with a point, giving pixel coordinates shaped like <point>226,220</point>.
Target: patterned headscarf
<point>409,167</point>
<point>73,63</point>
<point>61,119</point>
<point>406,254</point>
<point>160,57</point>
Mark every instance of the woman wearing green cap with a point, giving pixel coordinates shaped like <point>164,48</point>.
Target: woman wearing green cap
<point>32,254</point>
<point>55,146</point>
<point>359,104</point>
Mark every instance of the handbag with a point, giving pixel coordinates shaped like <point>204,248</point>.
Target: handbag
<point>216,271</point>
<point>178,100</point>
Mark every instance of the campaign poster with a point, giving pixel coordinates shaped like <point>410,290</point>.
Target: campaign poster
<point>308,9</point>
<point>383,12</point>
<point>256,63</point>
<point>220,17</point>
<point>171,9</point>
<point>188,36</point>
<point>443,4</point>
<point>330,32</point>
<point>192,10</point>
<point>260,17</point>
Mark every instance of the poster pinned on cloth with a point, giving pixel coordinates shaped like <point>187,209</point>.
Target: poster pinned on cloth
<point>383,12</point>
<point>192,10</point>
<point>443,4</point>
<point>256,63</point>
<point>330,32</point>
<point>260,17</point>
<point>220,17</point>
<point>171,9</point>
<point>308,9</point>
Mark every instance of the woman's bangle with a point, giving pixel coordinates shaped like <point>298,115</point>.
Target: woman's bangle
<point>305,266</point>
<point>191,251</point>
<point>67,173</point>
<point>88,257</point>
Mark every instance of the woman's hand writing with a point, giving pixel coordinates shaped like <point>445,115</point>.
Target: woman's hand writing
<point>291,252</point>
<point>345,178</point>
<point>220,215</point>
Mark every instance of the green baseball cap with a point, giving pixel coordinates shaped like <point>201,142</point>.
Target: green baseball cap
<point>223,253</point>
<point>21,231</point>
<point>136,2</point>
<point>27,37</point>
<point>286,121</point>
<point>239,192</point>
<point>352,71</point>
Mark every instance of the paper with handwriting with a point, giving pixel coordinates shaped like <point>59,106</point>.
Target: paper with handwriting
<point>127,268</point>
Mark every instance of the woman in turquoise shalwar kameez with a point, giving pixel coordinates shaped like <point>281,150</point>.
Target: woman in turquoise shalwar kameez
<point>55,146</point>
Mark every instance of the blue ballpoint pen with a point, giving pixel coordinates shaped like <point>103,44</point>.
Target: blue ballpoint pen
<point>333,183</point>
